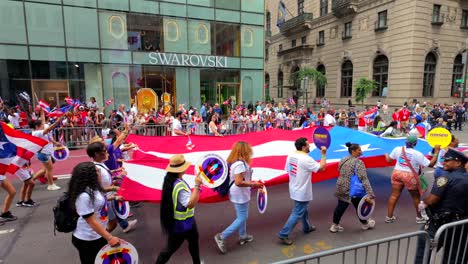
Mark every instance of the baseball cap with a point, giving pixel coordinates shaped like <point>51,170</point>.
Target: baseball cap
<point>411,139</point>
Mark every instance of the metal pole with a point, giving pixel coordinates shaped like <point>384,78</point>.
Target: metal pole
<point>466,68</point>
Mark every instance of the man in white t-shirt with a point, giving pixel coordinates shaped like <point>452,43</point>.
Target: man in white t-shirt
<point>300,166</point>
<point>177,126</point>
<point>329,120</point>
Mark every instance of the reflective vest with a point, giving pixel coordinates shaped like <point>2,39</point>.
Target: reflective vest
<point>183,216</point>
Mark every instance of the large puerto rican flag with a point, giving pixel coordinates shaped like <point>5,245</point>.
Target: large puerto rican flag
<point>16,148</point>
<point>146,170</point>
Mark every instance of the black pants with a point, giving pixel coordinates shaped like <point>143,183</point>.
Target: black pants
<point>175,240</point>
<point>341,209</point>
<point>88,249</point>
<point>458,123</point>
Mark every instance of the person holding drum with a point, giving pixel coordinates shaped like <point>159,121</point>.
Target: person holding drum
<point>347,167</point>
<point>45,155</point>
<point>239,193</point>
<point>89,200</point>
<point>177,210</point>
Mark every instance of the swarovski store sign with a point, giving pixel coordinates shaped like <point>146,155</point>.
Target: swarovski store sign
<point>192,60</point>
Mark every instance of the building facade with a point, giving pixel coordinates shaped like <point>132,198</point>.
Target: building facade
<point>191,50</point>
<point>412,48</point>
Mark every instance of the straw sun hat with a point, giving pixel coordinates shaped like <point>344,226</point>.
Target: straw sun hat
<point>177,164</point>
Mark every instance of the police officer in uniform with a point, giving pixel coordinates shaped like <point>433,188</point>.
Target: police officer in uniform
<point>448,202</point>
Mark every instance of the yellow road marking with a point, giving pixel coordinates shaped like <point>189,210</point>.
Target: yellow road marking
<point>289,251</point>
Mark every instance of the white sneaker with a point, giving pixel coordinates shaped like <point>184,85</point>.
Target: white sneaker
<point>131,226</point>
<point>53,187</point>
<point>336,228</point>
<point>370,224</point>
<point>420,220</point>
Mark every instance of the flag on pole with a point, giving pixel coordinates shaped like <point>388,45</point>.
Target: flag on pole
<point>44,106</point>
<point>69,100</point>
<point>109,102</point>
<point>291,101</point>
<point>16,148</point>
<point>281,14</point>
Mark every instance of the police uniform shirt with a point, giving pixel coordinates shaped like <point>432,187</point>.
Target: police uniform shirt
<point>452,189</point>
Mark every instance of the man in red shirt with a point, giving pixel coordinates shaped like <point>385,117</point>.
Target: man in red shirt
<point>395,115</point>
<point>404,116</point>
<point>23,122</point>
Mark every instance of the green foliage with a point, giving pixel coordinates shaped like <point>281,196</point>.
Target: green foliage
<point>310,73</point>
<point>364,87</point>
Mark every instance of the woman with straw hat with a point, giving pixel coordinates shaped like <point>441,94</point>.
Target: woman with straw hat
<point>177,210</point>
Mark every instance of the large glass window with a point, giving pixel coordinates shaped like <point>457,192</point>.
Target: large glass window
<point>320,88</point>
<point>14,78</point>
<point>280,84</point>
<point>227,39</point>
<point>381,75</point>
<point>228,4</point>
<point>348,30</point>
<point>144,33</point>
<point>267,87</point>
<point>323,7</point>
<point>45,24</point>
<point>346,79</point>
<point>81,27</point>
<point>217,85</point>
<point>199,37</point>
<point>382,19</point>
<point>429,74</point>
<point>464,20</point>
<point>49,69</point>
<point>113,30</point>
<point>457,74</point>
<point>12,22</point>
<point>436,16</point>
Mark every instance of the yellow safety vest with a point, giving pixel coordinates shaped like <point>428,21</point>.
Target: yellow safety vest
<point>185,213</point>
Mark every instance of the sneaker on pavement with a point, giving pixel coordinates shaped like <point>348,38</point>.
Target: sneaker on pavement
<point>131,226</point>
<point>7,216</point>
<point>53,187</point>
<point>286,241</point>
<point>370,224</point>
<point>220,243</point>
<point>420,220</point>
<point>336,228</point>
<point>389,220</point>
<point>246,239</point>
<point>312,228</point>
<point>19,204</point>
<point>30,203</point>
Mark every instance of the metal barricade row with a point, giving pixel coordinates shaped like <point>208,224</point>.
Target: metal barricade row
<point>394,249</point>
<point>450,244</point>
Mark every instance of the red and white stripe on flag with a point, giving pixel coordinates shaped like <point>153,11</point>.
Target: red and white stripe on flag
<point>44,105</point>
<point>109,102</point>
<point>26,147</point>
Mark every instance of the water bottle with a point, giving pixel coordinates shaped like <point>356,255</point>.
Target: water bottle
<point>422,210</point>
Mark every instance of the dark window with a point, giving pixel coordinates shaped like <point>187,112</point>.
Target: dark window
<point>381,75</point>
<point>14,79</point>
<point>321,38</point>
<point>280,84</point>
<point>280,47</point>
<point>346,79</point>
<point>464,21</point>
<point>293,43</point>
<point>297,82</point>
<point>300,7</point>
<point>266,54</point>
<point>436,16</point>
<point>267,86</point>
<point>347,33</point>
<point>320,88</point>
<point>382,22</point>
<point>145,33</point>
<point>304,40</point>
<point>457,74</point>
<point>268,22</point>
<point>429,74</point>
<point>49,70</point>
<point>227,39</point>
<point>323,7</point>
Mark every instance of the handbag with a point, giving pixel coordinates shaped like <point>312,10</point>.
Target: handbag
<point>422,179</point>
<point>356,189</point>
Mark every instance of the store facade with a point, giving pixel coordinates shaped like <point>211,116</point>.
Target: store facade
<point>191,50</point>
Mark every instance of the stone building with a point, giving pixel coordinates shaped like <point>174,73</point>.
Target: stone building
<point>412,48</point>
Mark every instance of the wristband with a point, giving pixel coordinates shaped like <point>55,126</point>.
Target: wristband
<point>324,156</point>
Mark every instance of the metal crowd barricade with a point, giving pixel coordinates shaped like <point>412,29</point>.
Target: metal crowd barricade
<point>450,243</point>
<point>395,249</point>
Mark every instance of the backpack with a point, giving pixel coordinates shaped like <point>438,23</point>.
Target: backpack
<point>65,217</point>
<point>223,189</point>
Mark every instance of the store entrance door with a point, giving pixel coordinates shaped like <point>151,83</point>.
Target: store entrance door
<point>228,91</point>
<point>51,91</point>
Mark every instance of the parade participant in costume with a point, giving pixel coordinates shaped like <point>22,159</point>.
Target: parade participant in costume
<point>448,203</point>
<point>89,200</point>
<point>300,166</point>
<point>347,167</point>
<point>177,210</point>
<point>439,167</point>
<point>25,175</point>
<point>240,159</point>
<point>45,155</point>
<point>406,175</point>
<point>98,151</point>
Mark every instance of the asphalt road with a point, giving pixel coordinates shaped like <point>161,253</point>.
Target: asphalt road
<point>31,239</point>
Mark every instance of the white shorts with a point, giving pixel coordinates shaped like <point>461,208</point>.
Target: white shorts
<point>24,174</point>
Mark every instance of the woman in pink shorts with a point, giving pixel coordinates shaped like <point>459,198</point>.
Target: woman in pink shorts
<point>406,174</point>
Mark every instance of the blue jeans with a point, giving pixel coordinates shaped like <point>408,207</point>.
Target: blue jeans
<point>240,223</point>
<point>299,212</point>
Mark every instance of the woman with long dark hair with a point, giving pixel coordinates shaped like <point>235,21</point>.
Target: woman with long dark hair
<point>390,130</point>
<point>89,199</point>
<point>178,215</point>
<point>347,167</point>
